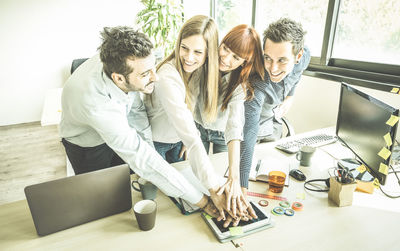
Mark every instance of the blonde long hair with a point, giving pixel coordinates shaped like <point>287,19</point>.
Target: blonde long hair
<point>205,26</point>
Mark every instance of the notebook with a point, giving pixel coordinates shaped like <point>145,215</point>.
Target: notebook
<point>185,206</point>
<point>244,228</point>
<point>60,204</point>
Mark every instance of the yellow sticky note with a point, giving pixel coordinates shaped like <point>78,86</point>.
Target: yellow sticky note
<point>301,196</point>
<point>207,216</point>
<point>388,139</point>
<point>376,183</point>
<point>394,90</point>
<point>361,168</point>
<point>236,231</point>
<point>383,169</point>
<point>384,153</point>
<point>392,120</point>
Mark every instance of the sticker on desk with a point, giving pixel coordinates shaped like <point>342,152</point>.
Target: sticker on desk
<point>383,169</point>
<point>388,139</point>
<point>376,183</point>
<point>394,90</point>
<point>300,196</point>
<point>207,216</point>
<point>235,231</point>
<point>361,168</point>
<point>384,153</point>
<point>392,120</point>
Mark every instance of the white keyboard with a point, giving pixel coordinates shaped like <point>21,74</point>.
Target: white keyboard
<point>294,145</point>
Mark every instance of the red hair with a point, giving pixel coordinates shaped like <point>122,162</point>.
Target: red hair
<point>245,42</point>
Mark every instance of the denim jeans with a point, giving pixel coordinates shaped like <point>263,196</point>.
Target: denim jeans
<point>216,137</point>
<point>169,151</point>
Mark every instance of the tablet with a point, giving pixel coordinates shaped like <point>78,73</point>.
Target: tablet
<point>244,228</point>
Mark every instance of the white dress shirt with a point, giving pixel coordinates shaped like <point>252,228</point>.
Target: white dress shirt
<point>172,121</point>
<point>231,120</point>
<point>96,111</point>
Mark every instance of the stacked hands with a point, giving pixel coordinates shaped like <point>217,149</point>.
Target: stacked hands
<point>230,204</point>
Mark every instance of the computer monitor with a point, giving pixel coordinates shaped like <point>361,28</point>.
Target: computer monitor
<point>361,126</point>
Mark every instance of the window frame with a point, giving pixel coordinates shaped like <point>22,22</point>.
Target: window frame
<point>377,76</point>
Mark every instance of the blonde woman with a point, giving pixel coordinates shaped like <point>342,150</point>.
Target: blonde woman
<point>240,58</point>
<point>173,100</point>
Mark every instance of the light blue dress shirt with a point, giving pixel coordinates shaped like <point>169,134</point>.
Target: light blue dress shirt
<point>259,111</point>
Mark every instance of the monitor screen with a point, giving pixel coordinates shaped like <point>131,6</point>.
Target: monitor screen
<point>361,126</point>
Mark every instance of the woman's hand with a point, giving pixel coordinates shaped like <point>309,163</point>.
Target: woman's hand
<point>251,214</point>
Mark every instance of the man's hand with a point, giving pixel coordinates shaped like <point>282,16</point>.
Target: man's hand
<point>211,210</point>
<point>219,202</point>
<point>208,206</point>
<point>182,153</point>
<point>285,106</point>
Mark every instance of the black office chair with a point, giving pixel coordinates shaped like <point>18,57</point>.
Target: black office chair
<point>288,129</point>
<point>76,63</point>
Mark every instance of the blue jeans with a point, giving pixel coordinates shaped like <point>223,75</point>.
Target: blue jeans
<point>216,137</point>
<point>169,151</point>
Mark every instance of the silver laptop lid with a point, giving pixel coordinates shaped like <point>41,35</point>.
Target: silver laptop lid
<point>67,202</point>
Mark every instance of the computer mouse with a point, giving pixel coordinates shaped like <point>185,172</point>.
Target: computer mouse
<point>297,175</point>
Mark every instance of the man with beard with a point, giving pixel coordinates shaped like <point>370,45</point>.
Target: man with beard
<point>285,59</point>
<point>104,122</point>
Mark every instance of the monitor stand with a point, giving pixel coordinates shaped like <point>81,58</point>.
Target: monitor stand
<point>352,165</point>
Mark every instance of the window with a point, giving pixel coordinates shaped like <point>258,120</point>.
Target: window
<point>192,8</point>
<point>368,31</point>
<point>229,13</point>
<point>310,13</point>
<point>352,41</point>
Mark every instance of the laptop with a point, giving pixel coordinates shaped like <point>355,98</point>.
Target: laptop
<point>60,204</point>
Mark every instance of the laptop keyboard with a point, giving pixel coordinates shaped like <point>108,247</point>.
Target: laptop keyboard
<point>294,145</point>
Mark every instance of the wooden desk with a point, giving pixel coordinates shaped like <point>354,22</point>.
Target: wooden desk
<point>320,226</point>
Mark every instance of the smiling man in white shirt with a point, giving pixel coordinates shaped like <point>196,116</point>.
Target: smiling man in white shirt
<point>104,122</point>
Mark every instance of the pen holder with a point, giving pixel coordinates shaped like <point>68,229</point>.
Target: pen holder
<point>341,194</point>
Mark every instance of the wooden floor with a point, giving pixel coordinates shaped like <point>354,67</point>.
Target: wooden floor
<point>29,154</point>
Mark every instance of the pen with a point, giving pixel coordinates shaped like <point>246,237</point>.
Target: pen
<point>258,165</point>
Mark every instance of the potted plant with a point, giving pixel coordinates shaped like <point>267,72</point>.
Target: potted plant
<point>161,21</point>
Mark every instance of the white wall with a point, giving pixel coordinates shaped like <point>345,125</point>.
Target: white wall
<point>317,101</point>
<point>315,104</point>
<point>39,40</point>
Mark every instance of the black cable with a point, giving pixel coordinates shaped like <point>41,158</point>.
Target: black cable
<point>395,173</point>
<point>310,183</point>
<point>388,195</point>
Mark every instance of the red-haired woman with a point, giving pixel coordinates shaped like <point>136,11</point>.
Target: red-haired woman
<point>240,59</point>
